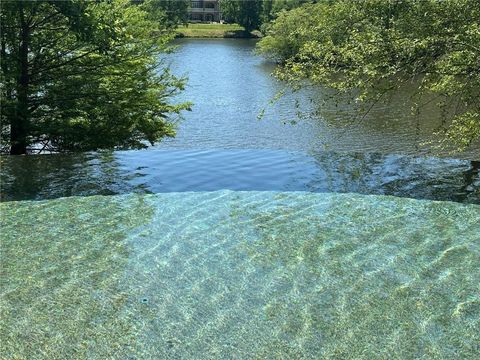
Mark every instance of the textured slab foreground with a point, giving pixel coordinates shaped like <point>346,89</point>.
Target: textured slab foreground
<point>240,275</point>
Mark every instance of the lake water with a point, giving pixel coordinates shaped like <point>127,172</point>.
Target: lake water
<point>230,87</point>
<point>244,238</point>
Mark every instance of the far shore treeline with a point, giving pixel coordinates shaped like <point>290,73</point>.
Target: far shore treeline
<point>80,75</point>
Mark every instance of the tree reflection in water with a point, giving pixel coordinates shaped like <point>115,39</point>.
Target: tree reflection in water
<point>157,171</point>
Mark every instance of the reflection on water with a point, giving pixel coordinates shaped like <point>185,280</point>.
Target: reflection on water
<point>230,86</point>
<point>154,171</point>
<point>248,274</point>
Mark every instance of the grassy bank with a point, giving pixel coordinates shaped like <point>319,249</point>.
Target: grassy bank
<point>214,31</point>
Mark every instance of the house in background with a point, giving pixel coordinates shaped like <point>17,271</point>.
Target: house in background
<point>205,11</point>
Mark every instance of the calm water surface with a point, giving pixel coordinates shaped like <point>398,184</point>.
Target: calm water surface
<point>230,86</point>
<point>245,238</point>
<point>160,170</point>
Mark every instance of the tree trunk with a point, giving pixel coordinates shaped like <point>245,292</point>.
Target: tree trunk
<point>20,121</point>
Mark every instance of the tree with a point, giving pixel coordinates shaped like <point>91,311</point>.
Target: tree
<point>246,13</point>
<point>176,10</point>
<point>81,75</point>
<point>172,12</point>
<point>372,47</point>
<point>285,5</point>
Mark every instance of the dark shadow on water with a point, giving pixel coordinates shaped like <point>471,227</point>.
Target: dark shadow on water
<point>52,176</point>
<point>157,171</point>
<point>240,34</point>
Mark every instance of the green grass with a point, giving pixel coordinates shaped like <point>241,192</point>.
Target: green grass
<point>212,31</point>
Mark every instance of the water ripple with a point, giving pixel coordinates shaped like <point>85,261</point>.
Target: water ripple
<point>248,274</point>
<point>159,171</point>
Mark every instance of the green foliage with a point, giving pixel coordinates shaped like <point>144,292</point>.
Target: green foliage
<point>245,13</point>
<point>81,75</point>
<point>252,14</point>
<point>372,47</point>
<point>286,35</point>
<point>171,12</point>
<point>272,8</point>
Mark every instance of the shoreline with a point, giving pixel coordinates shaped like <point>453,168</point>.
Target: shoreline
<point>215,31</point>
